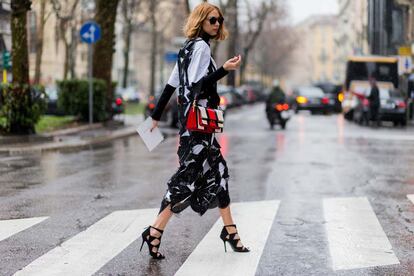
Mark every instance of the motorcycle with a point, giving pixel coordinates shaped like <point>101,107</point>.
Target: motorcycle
<point>278,113</point>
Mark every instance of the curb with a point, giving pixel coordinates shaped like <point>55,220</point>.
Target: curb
<point>122,133</point>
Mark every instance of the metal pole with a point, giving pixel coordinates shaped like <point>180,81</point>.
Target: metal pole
<point>90,84</point>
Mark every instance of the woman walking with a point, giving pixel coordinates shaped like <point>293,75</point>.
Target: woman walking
<point>201,180</point>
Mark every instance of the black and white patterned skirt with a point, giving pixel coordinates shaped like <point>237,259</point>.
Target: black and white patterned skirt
<point>201,180</point>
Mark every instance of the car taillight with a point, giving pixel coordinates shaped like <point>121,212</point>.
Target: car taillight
<point>151,106</point>
<point>325,100</point>
<point>223,100</point>
<point>285,106</point>
<point>301,99</point>
<point>401,104</point>
<point>118,101</point>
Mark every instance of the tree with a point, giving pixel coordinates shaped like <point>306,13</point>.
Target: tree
<point>231,11</point>
<point>154,36</point>
<point>129,8</point>
<point>43,17</point>
<point>256,18</point>
<point>21,105</point>
<point>67,26</point>
<point>187,6</point>
<point>273,57</point>
<point>20,54</point>
<point>102,60</point>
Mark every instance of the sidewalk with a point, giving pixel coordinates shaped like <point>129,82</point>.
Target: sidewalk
<point>72,138</point>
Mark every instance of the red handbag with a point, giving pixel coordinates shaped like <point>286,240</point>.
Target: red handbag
<point>205,119</point>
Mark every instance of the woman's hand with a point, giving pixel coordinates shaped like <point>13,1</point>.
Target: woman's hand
<point>154,124</point>
<point>233,63</point>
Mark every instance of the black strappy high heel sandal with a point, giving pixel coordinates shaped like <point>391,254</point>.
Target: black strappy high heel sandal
<point>148,238</point>
<point>232,239</point>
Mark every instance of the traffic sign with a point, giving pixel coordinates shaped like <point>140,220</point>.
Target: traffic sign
<point>90,32</point>
<point>405,65</point>
<point>6,60</point>
<point>171,57</point>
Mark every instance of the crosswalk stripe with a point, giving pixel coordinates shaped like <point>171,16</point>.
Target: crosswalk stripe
<point>91,249</point>
<point>356,238</point>
<point>13,226</point>
<point>254,220</point>
<point>411,197</point>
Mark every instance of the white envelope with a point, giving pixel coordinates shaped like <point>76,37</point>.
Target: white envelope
<point>151,138</point>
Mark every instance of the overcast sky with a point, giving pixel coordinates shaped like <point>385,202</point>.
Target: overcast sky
<point>301,9</point>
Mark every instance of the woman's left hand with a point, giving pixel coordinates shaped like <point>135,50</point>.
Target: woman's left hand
<point>233,63</point>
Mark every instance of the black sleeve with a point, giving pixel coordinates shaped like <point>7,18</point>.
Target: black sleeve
<point>162,102</point>
<point>214,77</point>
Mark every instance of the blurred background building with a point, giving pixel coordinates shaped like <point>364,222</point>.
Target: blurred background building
<point>314,58</point>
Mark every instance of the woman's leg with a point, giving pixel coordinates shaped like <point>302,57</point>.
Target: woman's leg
<point>228,220</point>
<point>161,221</point>
<point>226,215</point>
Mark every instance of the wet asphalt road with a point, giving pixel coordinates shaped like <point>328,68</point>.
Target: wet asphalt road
<point>316,157</point>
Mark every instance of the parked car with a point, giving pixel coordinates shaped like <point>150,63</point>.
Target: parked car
<point>229,97</point>
<point>334,93</point>
<point>129,94</point>
<point>392,107</point>
<point>170,114</point>
<point>310,98</point>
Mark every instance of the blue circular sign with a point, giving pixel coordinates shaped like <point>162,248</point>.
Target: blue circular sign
<point>90,32</point>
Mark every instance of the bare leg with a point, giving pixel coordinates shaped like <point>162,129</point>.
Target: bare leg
<point>226,215</point>
<point>228,220</point>
<point>161,220</point>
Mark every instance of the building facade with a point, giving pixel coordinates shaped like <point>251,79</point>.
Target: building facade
<point>386,26</point>
<point>5,33</point>
<point>314,60</point>
<point>351,36</point>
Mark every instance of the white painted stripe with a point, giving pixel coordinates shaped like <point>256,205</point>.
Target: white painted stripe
<point>411,197</point>
<point>13,226</point>
<point>254,220</point>
<point>355,236</point>
<point>91,249</point>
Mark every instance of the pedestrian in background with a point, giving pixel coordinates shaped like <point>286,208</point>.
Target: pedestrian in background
<point>374,102</point>
<point>201,180</point>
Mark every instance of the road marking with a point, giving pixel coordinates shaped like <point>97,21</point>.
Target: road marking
<point>254,220</point>
<point>87,252</point>
<point>356,238</point>
<point>13,226</point>
<point>411,197</point>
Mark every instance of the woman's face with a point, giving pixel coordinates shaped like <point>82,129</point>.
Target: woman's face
<point>211,29</point>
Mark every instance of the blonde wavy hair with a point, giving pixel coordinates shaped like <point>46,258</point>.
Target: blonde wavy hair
<point>194,23</point>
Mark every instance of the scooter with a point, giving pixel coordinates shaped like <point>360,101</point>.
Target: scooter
<point>278,114</point>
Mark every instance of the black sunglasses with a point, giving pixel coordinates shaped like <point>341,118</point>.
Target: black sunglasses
<point>214,19</point>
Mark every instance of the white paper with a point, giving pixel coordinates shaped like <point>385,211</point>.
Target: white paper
<point>151,138</point>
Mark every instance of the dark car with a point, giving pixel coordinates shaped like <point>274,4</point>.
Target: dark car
<point>170,114</point>
<point>252,93</point>
<point>229,97</point>
<point>129,94</point>
<point>392,108</point>
<point>334,93</point>
<point>310,98</point>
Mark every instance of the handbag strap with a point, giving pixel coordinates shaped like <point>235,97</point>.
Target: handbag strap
<point>183,60</point>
